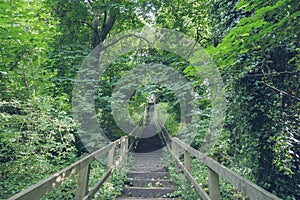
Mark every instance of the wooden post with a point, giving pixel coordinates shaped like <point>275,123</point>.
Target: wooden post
<point>125,148</point>
<point>83,183</point>
<point>175,149</point>
<point>213,185</point>
<point>110,157</point>
<point>187,160</point>
<point>122,148</point>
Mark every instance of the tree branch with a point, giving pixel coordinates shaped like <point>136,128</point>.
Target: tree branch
<point>126,36</point>
<point>272,74</point>
<point>108,26</point>
<point>281,91</point>
<point>91,26</point>
<point>104,20</point>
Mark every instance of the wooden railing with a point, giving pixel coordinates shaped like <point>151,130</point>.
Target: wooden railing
<point>82,168</point>
<point>174,145</point>
<point>215,171</point>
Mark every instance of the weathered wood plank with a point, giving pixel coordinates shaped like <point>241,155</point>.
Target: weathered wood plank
<point>187,160</point>
<point>96,187</point>
<point>191,179</point>
<point>176,151</point>
<point>107,174</point>
<point>245,186</point>
<point>43,187</point>
<point>126,147</point>
<point>213,185</point>
<point>82,183</point>
<point>110,157</point>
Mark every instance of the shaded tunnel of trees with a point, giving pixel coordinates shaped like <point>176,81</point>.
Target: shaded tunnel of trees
<point>254,44</point>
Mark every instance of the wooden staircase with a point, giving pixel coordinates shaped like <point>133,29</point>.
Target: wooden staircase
<point>149,178</point>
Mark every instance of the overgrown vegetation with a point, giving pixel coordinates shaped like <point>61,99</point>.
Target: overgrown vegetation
<point>255,45</point>
<point>36,140</point>
<point>259,59</point>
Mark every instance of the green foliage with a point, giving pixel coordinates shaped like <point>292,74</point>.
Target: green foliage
<point>36,140</point>
<point>183,189</point>
<point>26,29</point>
<point>168,118</point>
<point>254,43</point>
<point>200,172</point>
<point>188,17</point>
<point>223,16</point>
<point>113,189</point>
<point>65,62</point>
<point>66,191</point>
<point>110,190</point>
<point>259,60</point>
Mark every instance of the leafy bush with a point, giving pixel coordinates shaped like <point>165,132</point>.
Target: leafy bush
<point>35,140</point>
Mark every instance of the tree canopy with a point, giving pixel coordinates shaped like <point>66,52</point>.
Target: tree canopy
<point>254,44</point>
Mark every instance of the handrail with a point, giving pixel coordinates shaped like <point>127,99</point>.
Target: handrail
<point>215,170</point>
<point>82,167</point>
<point>135,132</point>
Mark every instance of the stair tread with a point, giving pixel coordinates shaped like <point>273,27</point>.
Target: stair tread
<point>149,175</point>
<point>146,191</point>
<point>148,188</point>
<point>146,198</point>
<point>152,180</point>
<point>148,170</point>
<point>140,172</point>
<point>146,182</point>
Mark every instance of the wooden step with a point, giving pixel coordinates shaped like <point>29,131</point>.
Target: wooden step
<point>150,169</point>
<point>150,183</point>
<point>145,198</point>
<point>146,191</point>
<point>148,175</point>
<point>149,178</point>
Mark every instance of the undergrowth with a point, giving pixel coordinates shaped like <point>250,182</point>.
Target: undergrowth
<point>108,191</point>
<point>185,190</point>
